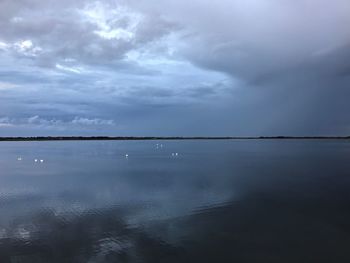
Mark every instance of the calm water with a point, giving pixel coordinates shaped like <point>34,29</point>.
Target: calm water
<point>216,201</point>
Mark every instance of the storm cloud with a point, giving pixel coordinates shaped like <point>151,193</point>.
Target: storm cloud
<point>253,67</point>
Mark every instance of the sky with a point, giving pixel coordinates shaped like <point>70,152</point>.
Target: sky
<point>174,67</point>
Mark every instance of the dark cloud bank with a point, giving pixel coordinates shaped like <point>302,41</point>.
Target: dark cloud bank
<point>174,67</point>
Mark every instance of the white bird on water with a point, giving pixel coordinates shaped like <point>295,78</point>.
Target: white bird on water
<point>19,159</point>
<point>36,160</point>
<point>41,160</point>
<point>126,155</point>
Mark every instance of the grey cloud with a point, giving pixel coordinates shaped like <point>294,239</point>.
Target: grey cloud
<point>255,67</point>
<point>292,57</point>
<point>256,38</point>
<point>246,40</point>
<point>262,37</point>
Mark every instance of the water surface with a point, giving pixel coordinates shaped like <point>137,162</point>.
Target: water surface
<point>215,201</point>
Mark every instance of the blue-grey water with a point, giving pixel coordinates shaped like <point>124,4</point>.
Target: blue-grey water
<point>213,201</point>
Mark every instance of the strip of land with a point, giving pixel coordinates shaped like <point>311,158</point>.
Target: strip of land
<point>125,138</point>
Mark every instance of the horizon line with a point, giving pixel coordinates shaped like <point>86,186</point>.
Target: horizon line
<point>120,138</point>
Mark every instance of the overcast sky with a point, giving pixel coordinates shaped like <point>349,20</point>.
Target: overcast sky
<point>174,67</point>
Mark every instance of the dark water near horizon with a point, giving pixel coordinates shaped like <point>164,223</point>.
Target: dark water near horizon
<point>216,201</point>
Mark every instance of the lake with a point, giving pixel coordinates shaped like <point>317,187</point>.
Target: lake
<point>175,201</point>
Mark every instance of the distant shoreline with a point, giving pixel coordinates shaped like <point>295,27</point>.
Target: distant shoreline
<point>131,138</point>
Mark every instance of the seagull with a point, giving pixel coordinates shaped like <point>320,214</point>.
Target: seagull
<point>19,159</point>
<point>176,154</point>
<point>36,160</point>
<point>126,155</point>
<point>41,161</point>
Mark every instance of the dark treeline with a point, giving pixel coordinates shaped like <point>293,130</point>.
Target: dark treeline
<point>93,138</point>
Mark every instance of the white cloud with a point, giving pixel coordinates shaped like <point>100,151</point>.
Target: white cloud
<point>116,23</point>
<point>53,123</point>
<point>33,119</point>
<point>26,48</point>
<point>7,86</point>
<point>77,121</point>
<point>5,122</point>
<point>95,121</point>
<point>3,46</point>
<point>24,45</point>
<point>76,70</point>
<point>36,120</point>
<point>17,19</point>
